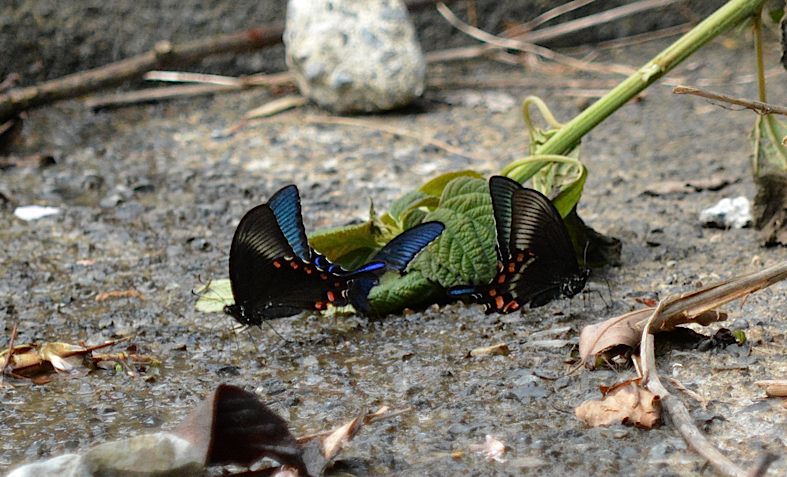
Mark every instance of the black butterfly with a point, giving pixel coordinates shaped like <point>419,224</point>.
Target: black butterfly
<point>536,261</point>
<point>275,273</point>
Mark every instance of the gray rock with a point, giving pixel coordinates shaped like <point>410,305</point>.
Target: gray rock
<point>148,455</point>
<point>354,55</point>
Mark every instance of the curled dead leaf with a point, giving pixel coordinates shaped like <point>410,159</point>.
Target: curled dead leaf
<point>618,336</point>
<point>624,403</point>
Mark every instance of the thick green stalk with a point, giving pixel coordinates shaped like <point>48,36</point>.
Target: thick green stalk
<point>728,16</point>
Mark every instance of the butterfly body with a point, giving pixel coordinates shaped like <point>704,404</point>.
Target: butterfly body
<point>274,272</point>
<point>536,261</point>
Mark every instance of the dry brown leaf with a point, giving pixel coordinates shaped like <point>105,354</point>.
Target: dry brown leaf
<point>31,360</point>
<point>131,293</point>
<point>500,349</point>
<point>613,337</point>
<point>774,387</point>
<point>625,403</point>
<point>492,448</point>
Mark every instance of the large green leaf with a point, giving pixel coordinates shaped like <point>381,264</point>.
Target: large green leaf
<point>465,252</point>
<point>397,292</point>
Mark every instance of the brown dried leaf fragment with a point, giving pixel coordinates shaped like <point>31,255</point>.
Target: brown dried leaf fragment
<point>499,349</point>
<point>774,387</point>
<point>131,293</point>
<point>625,403</point>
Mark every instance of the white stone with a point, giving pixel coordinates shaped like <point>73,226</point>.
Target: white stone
<point>735,213</point>
<point>67,465</point>
<point>33,212</point>
<point>354,55</point>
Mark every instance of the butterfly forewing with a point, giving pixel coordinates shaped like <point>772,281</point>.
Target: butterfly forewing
<point>286,206</point>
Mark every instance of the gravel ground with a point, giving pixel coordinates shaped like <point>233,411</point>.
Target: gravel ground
<point>149,197</point>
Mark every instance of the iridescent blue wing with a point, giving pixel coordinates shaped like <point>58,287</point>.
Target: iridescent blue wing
<point>400,251</point>
<point>395,255</point>
<point>286,206</point>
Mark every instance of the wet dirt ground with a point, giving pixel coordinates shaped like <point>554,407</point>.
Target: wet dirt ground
<point>149,197</point>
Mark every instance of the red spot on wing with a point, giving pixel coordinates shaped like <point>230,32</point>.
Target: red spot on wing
<point>511,306</point>
<point>277,264</point>
<point>501,279</point>
<point>331,296</point>
<point>499,302</point>
<point>492,292</point>
<point>319,305</point>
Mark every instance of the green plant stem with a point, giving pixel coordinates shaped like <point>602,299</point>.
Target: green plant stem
<point>731,14</point>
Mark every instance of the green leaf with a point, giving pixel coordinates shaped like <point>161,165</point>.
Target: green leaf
<point>404,203</point>
<point>465,252</point>
<point>214,295</point>
<point>436,186</point>
<point>770,152</point>
<point>350,240</point>
<point>571,191</point>
<point>397,292</point>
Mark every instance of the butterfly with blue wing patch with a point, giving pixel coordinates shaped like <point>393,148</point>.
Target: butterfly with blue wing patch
<point>274,272</point>
<point>536,260</point>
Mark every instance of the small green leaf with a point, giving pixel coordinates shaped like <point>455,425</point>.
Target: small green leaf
<point>770,152</point>
<point>214,295</point>
<point>394,294</point>
<point>465,252</point>
<point>571,192</point>
<point>435,186</point>
<point>404,203</point>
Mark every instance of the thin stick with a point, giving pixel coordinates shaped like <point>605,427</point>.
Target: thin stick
<point>10,353</point>
<point>152,95</point>
<point>606,16</point>
<point>164,54</point>
<point>757,106</point>
<point>217,84</point>
<point>357,122</point>
<point>545,17</point>
<point>273,79</point>
<point>519,45</point>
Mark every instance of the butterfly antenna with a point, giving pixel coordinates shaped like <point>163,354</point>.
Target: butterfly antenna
<point>585,254</point>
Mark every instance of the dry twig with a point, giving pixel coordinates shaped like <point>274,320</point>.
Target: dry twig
<point>757,106</point>
<point>164,54</point>
<point>519,45</point>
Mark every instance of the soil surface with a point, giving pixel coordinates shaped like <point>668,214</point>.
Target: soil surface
<point>149,197</point>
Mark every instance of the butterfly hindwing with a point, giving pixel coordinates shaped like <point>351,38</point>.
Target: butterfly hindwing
<point>395,255</point>
<point>536,257</point>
